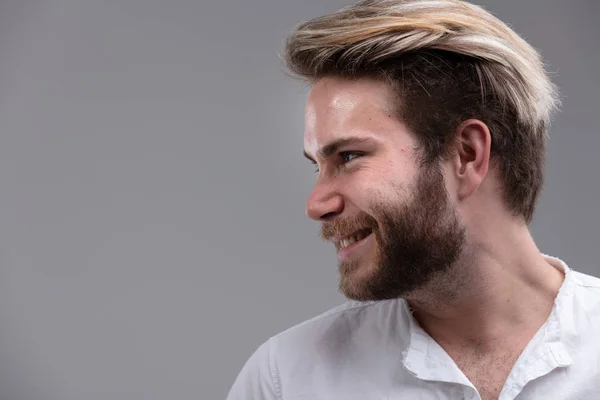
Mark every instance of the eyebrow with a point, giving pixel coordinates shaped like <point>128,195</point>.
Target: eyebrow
<point>333,147</point>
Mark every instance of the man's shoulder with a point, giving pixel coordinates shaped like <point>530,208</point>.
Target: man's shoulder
<point>584,280</point>
<point>348,309</point>
<point>584,310</point>
<point>351,322</point>
<point>334,345</point>
<point>587,290</point>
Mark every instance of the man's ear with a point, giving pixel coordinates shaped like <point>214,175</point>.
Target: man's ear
<point>471,156</point>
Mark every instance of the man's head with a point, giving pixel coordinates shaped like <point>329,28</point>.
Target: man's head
<point>422,117</point>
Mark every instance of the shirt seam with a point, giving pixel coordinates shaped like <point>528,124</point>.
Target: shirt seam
<point>273,373</point>
<point>587,285</point>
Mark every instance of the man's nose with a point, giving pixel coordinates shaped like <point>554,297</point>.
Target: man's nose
<point>324,202</point>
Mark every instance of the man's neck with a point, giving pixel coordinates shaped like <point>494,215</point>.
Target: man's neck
<point>496,294</point>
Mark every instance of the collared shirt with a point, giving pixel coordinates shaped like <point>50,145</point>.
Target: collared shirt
<point>377,351</point>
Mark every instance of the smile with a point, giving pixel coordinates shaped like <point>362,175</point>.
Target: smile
<point>358,236</point>
<point>354,245</point>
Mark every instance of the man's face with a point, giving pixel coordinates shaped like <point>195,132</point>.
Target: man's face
<point>389,218</point>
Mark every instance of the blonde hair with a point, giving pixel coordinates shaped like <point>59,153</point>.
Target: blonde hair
<point>451,58</point>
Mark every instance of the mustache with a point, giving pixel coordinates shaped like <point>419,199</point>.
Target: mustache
<point>342,227</point>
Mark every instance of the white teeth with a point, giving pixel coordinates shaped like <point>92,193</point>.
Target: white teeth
<point>351,239</point>
<point>348,242</point>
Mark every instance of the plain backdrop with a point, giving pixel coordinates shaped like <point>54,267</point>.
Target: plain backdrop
<point>152,227</point>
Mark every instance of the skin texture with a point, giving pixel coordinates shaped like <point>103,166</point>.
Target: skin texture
<point>442,237</point>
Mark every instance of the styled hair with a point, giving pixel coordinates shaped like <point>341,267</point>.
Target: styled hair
<point>447,61</point>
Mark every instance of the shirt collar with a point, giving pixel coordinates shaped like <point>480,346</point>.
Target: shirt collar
<point>555,335</point>
<point>425,359</point>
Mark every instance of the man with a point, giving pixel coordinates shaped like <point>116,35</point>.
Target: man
<point>426,122</point>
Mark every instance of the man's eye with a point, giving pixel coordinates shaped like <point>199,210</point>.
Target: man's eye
<point>348,156</point>
<point>345,156</point>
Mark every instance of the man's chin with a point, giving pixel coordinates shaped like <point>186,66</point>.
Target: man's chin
<point>358,282</point>
<point>364,284</point>
<point>353,282</point>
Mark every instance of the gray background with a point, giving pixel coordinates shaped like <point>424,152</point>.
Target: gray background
<point>152,205</point>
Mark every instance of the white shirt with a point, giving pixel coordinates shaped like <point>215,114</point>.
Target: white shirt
<point>377,351</point>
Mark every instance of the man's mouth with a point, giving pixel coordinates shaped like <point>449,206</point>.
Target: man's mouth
<point>355,237</point>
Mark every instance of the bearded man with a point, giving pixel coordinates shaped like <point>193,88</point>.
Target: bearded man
<point>426,122</point>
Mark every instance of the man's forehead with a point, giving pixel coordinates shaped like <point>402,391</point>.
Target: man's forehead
<point>327,101</point>
<point>345,95</point>
<point>338,108</point>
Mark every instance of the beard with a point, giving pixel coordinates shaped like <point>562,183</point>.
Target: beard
<point>416,240</point>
